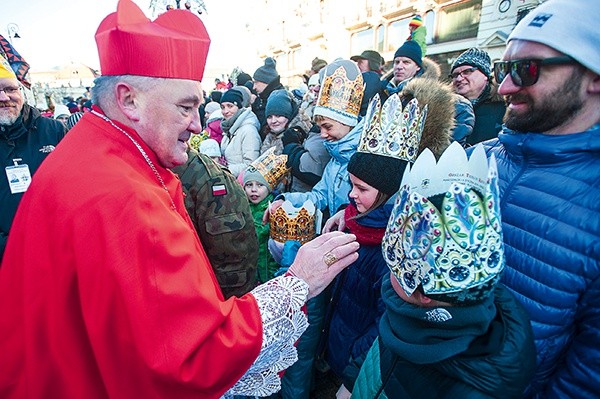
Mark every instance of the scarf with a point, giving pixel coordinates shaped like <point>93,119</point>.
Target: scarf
<point>365,234</point>
<point>430,335</point>
<point>226,124</point>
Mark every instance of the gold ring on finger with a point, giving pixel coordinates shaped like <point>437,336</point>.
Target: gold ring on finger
<point>329,258</point>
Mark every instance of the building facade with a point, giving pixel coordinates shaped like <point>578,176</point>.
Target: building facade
<point>296,31</point>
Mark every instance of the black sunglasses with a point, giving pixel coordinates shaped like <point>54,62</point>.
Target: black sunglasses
<point>526,72</point>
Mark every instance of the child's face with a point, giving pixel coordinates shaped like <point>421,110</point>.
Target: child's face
<point>363,194</point>
<point>332,130</point>
<point>255,191</point>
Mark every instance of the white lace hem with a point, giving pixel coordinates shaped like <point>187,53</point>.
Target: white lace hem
<point>279,302</point>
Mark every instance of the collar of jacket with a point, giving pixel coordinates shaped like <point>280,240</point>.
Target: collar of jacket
<point>545,149</point>
<point>272,86</point>
<point>430,335</point>
<point>343,148</point>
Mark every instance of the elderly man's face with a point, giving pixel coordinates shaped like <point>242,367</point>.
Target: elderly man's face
<point>549,105</point>
<point>468,82</point>
<point>168,115</point>
<point>404,68</point>
<point>11,100</point>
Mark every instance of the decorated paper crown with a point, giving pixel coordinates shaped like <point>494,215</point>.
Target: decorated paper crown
<point>453,248</point>
<point>175,45</point>
<point>391,131</point>
<point>5,69</point>
<point>290,223</point>
<point>270,166</point>
<point>340,95</point>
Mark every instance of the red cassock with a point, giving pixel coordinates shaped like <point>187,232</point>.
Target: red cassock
<point>105,290</point>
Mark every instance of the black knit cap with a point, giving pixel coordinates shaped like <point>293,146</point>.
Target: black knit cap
<point>234,97</point>
<point>410,49</point>
<point>381,172</point>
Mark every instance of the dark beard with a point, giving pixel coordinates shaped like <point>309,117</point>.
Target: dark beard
<point>560,106</point>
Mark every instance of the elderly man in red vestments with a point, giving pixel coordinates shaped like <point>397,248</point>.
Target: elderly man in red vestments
<point>105,290</point>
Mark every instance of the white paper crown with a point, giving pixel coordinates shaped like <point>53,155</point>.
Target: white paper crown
<point>290,223</point>
<point>391,131</point>
<point>458,246</point>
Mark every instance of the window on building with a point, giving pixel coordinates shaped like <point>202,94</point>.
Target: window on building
<point>380,38</point>
<point>458,21</point>
<point>430,25</point>
<point>397,33</point>
<point>361,41</point>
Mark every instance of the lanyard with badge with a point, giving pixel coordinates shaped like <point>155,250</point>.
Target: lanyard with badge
<point>19,176</point>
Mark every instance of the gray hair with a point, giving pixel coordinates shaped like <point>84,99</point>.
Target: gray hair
<point>104,86</point>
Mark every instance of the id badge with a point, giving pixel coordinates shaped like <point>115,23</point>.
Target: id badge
<point>19,178</point>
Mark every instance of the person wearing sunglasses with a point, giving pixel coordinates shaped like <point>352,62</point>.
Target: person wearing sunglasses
<point>26,139</point>
<point>549,168</point>
<point>471,77</point>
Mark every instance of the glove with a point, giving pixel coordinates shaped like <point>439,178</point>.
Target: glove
<point>292,136</point>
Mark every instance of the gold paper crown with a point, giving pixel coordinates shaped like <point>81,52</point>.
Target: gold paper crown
<point>392,132</point>
<point>272,167</point>
<point>290,223</point>
<point>340,95</point>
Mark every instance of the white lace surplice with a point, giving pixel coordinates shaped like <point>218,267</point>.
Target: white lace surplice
<point>279,302</point>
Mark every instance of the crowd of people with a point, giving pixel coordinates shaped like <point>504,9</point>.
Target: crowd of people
<point>419,237</point>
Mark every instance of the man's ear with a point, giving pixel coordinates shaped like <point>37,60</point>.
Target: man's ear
<point>127,101</point>
<point>422,298</point>
<point>594,85</point>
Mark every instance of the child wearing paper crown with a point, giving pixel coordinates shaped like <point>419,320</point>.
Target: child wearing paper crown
<point>260,177</point>
<point>336,113</point>
<point>449,330</point>
<point>390,140</point>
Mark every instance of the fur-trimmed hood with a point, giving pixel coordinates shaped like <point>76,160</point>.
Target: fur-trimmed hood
<point>437,131</point>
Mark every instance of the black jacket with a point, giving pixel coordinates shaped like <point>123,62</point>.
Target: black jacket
<point>32,137</point>
<point>260,105</point>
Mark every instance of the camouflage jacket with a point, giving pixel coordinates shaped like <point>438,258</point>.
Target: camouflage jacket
<point>220,211</point>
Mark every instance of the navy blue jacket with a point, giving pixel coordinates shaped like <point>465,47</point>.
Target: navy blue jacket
<point>550,204</point>
<point>351,323</point>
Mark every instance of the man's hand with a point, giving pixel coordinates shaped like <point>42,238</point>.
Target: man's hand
<point>335,223</point>
<point>274,205</point>
<point>320,260</point>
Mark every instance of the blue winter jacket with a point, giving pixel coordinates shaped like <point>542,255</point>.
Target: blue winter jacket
<point>333,188</point>
<point>550,203</point>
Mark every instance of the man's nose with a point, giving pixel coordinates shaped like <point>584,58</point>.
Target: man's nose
<point>508,86</point>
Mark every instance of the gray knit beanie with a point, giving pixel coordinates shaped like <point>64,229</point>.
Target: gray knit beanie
<point>266,73</point>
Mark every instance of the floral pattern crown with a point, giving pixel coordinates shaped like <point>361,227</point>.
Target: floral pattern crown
<point>391,131</point>
<point>453,247</point>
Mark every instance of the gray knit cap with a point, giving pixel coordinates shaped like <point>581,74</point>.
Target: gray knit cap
<point>266,73</point>
<point>474,57</point>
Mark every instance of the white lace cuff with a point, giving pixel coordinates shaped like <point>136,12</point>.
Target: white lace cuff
<point>279,302</point>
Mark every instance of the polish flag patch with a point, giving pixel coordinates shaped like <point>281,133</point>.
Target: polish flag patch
<point>218,190</point>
